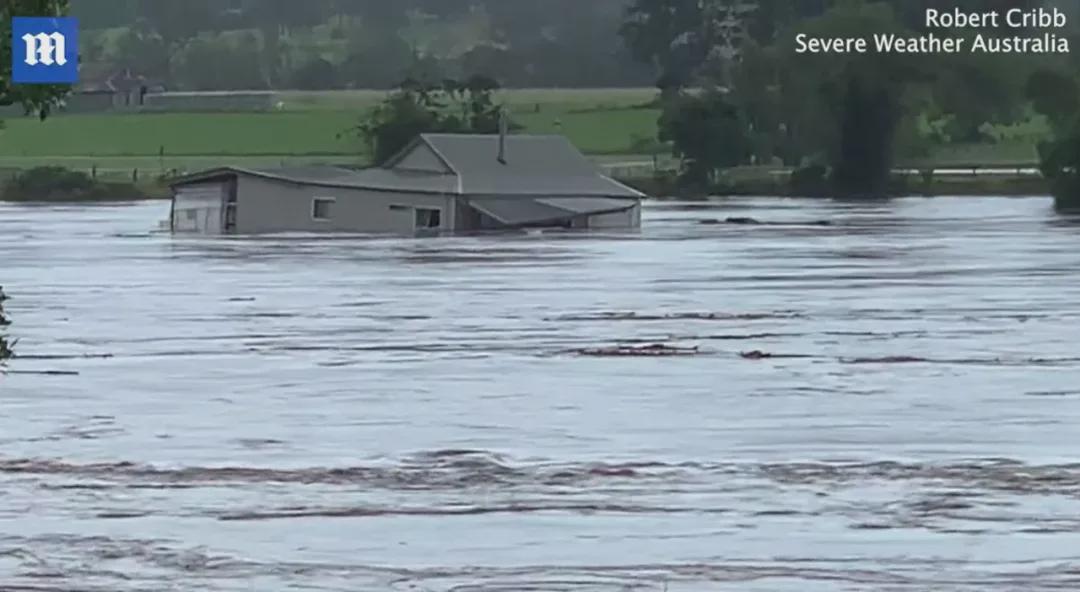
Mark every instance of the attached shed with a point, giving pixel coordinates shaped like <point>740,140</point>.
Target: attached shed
<point>441,183</point>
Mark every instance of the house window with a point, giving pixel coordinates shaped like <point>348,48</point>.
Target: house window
<point>322,208</point>
<point>426,218</point>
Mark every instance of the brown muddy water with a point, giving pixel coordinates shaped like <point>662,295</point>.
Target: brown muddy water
<point>888,402</point>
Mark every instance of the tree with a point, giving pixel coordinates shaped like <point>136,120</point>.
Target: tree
<point>1061,165</point>
<point>35,99</point>
<point>865,96</point>
<point>5,347</point>
<point>708,134</point>
<point>376,59</point>
<point>177,22</point>
<point>665,34</point>
<point>222,62</point>
<point>1056,94</point>
<point>105,14</point>
<point>415,108</point>
<point>315,74</point>
<point>38,100</point>
<point>143,52</point>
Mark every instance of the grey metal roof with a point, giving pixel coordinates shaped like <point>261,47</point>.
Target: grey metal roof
<point>471,154</point>
<point>536,166</point>
<point>327,176</point>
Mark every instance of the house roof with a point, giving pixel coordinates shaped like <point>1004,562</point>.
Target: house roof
<point>329,176</point>
<point>535,166</point>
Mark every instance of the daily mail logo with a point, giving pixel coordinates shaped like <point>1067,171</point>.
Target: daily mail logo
<point>44,50</point>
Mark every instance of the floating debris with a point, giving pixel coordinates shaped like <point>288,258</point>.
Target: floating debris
<point>888,360</point>
<point>760,355</point>
<point>629,351</point>
<point>682,316</point>
<point>40,372</point>
<point>746,221</point>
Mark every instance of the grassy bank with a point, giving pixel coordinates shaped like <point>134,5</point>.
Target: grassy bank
<point>59,184</point>
<point>614,126</point>
<point>760,182</point>
<point>317,125</point>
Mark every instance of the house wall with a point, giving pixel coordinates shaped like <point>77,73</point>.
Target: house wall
<point>627,219</point>
<point>199,208</point>
<point>267,206</point>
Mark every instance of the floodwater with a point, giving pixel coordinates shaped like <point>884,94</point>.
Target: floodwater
<point>886,402</point>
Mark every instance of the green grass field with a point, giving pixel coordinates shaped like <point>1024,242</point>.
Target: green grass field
<point>313,127</point>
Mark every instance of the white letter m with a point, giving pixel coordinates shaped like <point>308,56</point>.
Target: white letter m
<point>45,49</point>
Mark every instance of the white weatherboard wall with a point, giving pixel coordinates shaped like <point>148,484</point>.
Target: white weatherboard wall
<point>199,208</point>
<point>269,206</point>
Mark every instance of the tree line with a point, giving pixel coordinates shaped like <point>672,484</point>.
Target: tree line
<point>736,92</point>
<point>329,44</point>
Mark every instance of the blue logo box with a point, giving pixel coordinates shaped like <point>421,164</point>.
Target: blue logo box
<point>44,50</point>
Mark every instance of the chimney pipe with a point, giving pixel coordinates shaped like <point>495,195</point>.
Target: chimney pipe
<point>502,135</point>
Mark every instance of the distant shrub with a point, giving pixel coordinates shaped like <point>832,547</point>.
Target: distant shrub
<point>61,184</point>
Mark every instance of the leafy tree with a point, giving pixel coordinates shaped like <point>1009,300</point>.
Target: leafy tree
<point>666,34</point>
<point>376,60</point>
<point>5,346</point>
<point>415,108</point>
<point>1061,165</point>
<point>866,96</point>
<point>1056,94</point>
<point>36,99</point>
<point>708,134</point>
<point>176,22</point>
<point>220,62</point>
<point>316,74</point>
<point>104,14</point>
<point>142,51</point>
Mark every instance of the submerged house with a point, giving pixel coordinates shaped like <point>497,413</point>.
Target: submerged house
<point>440,183</point>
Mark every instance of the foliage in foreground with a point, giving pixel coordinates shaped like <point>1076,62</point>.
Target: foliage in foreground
<point>36,99</point>
<point>1061,165</point>
<point>855,114</point>
<point>1056,94</point>
<point>5,347</point>
<point>61,184</point>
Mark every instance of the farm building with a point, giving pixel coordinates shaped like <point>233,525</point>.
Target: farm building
<point>441,183</point>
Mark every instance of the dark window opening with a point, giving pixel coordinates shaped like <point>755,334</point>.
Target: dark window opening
<point>428,218</point>
<point>321,208</point>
